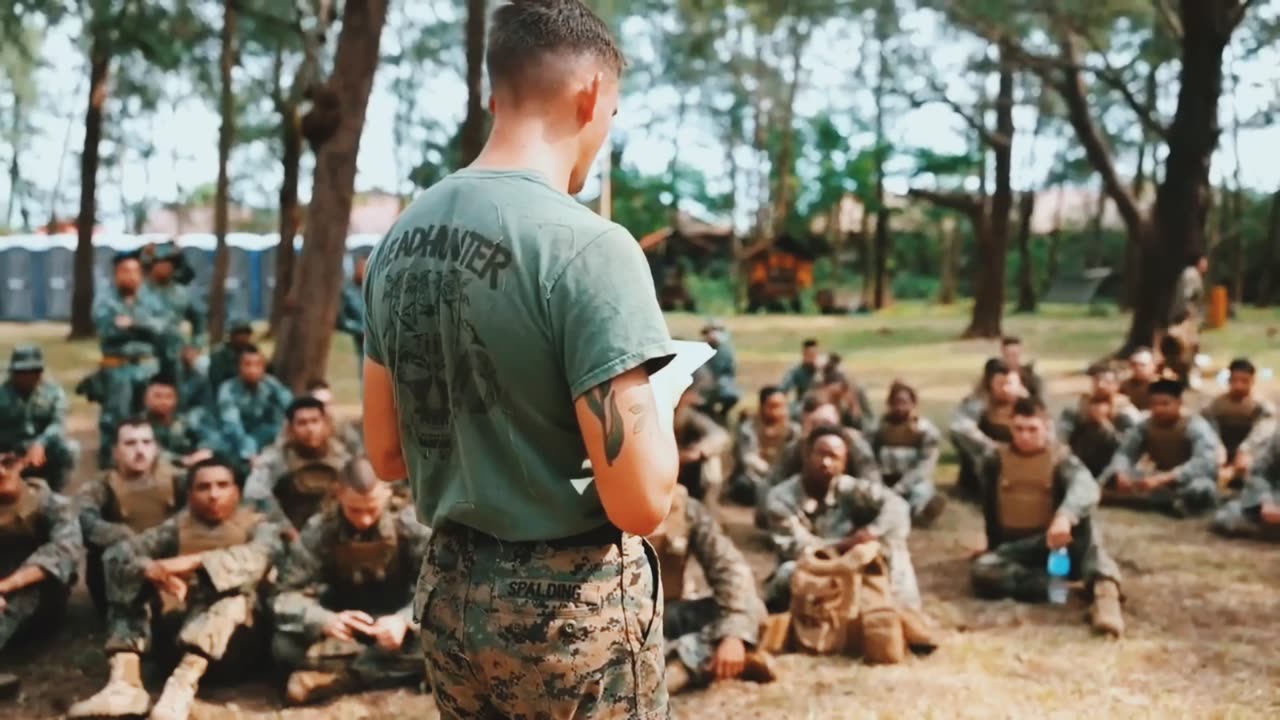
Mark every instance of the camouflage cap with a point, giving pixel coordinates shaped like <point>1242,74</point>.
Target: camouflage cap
<point>162,252</point>
<point>124,255</point>
<point>26,358</point>
<point>238,325</point>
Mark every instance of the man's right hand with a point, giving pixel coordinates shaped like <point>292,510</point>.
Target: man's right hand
<point>346,624</point>
<point>1124,483</point>
<point>1271,513</point>
<point>124,322</point>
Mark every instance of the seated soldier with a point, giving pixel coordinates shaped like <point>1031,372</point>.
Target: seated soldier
<point>39,552</point>
<point>224,362</point>
<point>702,444</point>
<point>344,613</point>
<point>849,397</point>
<point>1169,461</point>
<point>33,413</point>
<point>711,638</point>
<point>1244,422</point>
<point>982,421</point>
<point>293,481</point>
<point>1012,352</point>
<point>760,441</point>
<point>186,437</point>
<point>860,459</point>
<point>1256,512</point>
<point>805,376</point>
<point>200,572</point>
<point>138,493</point>
<point>251,406</point>
<point>194,390</point>
<point>823,506</point>
<point>1142,372</point>
<point>723,393</point>
<point>350,432</point>
<point>1095,425</point>
<point>907,446</point>
<point>1040,497</point>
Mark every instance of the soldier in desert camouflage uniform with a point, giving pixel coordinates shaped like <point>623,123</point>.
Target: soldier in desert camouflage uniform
<point>1169,461</point>
<point>251,406</point>
<point>200,571</point>
<point>1256,512</point>
<point>139,492</point>
<point>39,550</point>
<point>817,412</point>
<point>1095,425</point>
<point>1142,372</point>
<point>907,446</point>
<point>760,442</point>
<point>710,638</point>
<point>703,444</point>
<point>1245,423</point>
<point>33,413</point>
<point>1039,497</point>
<point>824,506</point>
<point>982,421</point>
<point>295,480</point>
<point>344,615</point>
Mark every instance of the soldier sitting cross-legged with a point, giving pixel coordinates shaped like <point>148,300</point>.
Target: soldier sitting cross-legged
<point>195,581</point>
<point>1039,497</point>
<point>344,614</point>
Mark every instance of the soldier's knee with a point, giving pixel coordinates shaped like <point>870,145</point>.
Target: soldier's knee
<point>288,649</point>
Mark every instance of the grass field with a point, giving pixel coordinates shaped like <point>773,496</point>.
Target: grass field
<point>1203,613</point>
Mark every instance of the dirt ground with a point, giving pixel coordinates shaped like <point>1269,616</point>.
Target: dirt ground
<point>1203,613</point>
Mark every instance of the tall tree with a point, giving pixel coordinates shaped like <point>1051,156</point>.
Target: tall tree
<point>473,126</point>
<point>306,335</point>
<point>226,136</point>
<point>19,60</point>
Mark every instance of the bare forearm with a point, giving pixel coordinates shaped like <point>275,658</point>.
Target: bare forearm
<point>23,577</point>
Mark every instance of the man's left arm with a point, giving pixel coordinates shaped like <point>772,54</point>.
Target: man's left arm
<point>728,574</point>
<point>1082,491</point>
<point>241,567</point>
<point>58,558</point>
<point>865,498</point>
<point>381,420</point>
<point>862,459</point>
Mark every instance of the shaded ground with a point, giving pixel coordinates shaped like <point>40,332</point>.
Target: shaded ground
<point>1203,613</point>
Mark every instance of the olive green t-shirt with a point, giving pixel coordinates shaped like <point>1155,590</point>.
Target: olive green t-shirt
<point>495,302</point>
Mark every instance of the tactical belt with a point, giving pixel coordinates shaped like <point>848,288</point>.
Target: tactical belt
<point>606,534</point>
<point>111,362</point>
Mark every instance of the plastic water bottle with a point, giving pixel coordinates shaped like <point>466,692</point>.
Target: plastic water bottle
<point>1059,567</point>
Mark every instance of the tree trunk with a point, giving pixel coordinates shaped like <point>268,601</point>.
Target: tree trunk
<point>883,239</point>
<point>1234,226</point>
<point>988,305</point>
<point>1269,254</point>
<point>947,284</point>
<point>306,335</point>
<point>15,166</point>
<point>290,213</point>
<point>226,135</point>
<point>1182,200</point>
<point>472,139</point>
<point>82,294</point>
<point>1026,271</point>
<point>782,199</point>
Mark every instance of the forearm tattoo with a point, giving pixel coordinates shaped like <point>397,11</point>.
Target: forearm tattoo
<point>603,403</point>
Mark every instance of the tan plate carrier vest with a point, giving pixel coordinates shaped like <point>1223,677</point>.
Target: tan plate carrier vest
<point>195,536</point>
<point>906,434</point>
<point>1235,420</point>
<point>308,486</point>
<point>1024,499</point>
<point>143,504</point>
<point>362,564</point>
<point>772,440</point>
<point>20,532</point>
<point>1168,447</point>
<point>671,543</point>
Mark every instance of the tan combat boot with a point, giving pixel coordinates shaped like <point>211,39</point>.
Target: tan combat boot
<point>1105,613</point>
<point>180,689</point>
<point>123,695</point>
<point>310,686</point>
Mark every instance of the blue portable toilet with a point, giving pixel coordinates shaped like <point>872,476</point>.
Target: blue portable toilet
<point>17,296</point>
<point>60,269</point>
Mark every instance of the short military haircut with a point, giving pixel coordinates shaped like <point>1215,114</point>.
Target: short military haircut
<point>810,343</point>
<point>1008,340</point>
<point>767,392</point>
<point>131,422</point>
<point>1242,365</point>
<point>1099,369</point>
<point>317,384</point>
<point>825,431</point>
<point>994,367</point>
<point>524,33</point>
<point>303,402</point>
<point>899,386</point>
<point>813,401</point>
<point>358,476</point>
<point>217,461</point>
<point>162,379</point>
<point>250,349</point>
<point>1028,407</point>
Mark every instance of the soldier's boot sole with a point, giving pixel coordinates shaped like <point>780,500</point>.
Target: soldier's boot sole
<point>759,667</point>
<point>932,510</point>
<point>306,686</point>
<point>1105,615</point>
<point>677,677</point>
<point>118,699</point>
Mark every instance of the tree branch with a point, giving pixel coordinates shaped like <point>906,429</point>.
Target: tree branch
<point>975,123</point>
<point>960,202</point>
<point>1169,18</point>
<point>266,18</point>
<point>1110,75</point>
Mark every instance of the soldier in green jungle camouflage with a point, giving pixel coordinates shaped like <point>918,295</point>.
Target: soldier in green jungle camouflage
<point>186,437</point>
<point>195,581</point>
<point>251,406</point>
<point>511,333</point>
<point>181,303</point>
<point>33,413</point>
<point>294,480</point>
<point>132,326</point>
<point>40,550</point>
<point>344,612</point>
<point>224,361</point>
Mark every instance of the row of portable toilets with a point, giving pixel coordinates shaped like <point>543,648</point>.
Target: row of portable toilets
<point>37,271</point>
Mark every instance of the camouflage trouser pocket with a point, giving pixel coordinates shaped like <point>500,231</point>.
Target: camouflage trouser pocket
<point>422,591</point>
